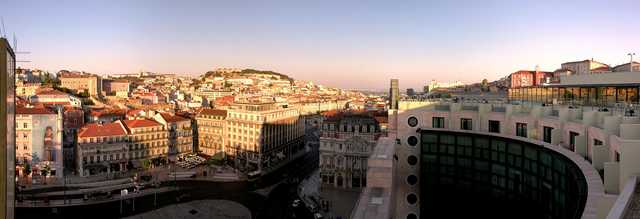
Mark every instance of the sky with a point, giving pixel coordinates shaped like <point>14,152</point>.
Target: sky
<point>346,44</point>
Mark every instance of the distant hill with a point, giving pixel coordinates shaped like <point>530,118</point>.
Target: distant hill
<point>245,72</point>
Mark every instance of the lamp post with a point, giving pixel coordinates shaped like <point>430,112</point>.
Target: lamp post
<point>631,54</point>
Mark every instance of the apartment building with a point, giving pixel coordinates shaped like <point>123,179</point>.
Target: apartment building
<point>38,138</point>
<point>263,135</point>
<point>147,138</point>
<point>180,132</point>
<point>587,66</point>
<point>92,84</point>
<point>102,148</point>
<point>346,141</point>
<point>211,125</point>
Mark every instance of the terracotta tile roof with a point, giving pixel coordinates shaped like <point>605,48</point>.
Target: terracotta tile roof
<point>225,100</point>
<point>173,118</point>
<point>213,112</point>
<point>100,130</point>
<point>34,110</point>
<point>134,112</point>
<point>139,123</point>
<point>107,113</point>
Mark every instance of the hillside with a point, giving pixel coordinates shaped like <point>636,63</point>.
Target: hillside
<point>245,72</point>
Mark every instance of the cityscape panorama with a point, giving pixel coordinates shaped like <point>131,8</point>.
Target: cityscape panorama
<point>320,109</point>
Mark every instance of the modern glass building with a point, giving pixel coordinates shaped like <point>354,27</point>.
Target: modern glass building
<point>604,89</point>
<point>468,175</point>
<point>7,136</point>
<point>577,95</point>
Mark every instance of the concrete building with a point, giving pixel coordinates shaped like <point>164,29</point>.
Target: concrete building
<point>626,67</point>
<point>39,141</point>
<point>211,125</point>
<point>92,84</point>
<point>435,84</point>
<point>315,107</point>
<point>346,141</point>
<point>263,135</point>
<point>584,66</point>
<point>180,132</point>
<point>500,160</point>
<point>119,88</point>
<point>525,78</point>
<point>7,138</point>
<point>102,148</point>
<point>26,89</point>
<point>394,94</point>
<point>212,94</point>
<point>49,96</point>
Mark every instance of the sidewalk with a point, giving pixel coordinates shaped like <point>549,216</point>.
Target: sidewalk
<point>341,202</point>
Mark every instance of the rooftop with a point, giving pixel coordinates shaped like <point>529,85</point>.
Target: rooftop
<point>33,110</point>
<point>140,123</point>
<point>213,112</point>
<point>100,130</point>
<point>173,118</point>
<point>50,92</point>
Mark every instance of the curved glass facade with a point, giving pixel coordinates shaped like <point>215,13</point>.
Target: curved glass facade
<point>471,175</point>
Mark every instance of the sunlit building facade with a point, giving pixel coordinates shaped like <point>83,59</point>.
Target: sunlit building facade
<point>346,141</point>
<point>7,136</point>
<point>264,135</point>
<point>211,125</point>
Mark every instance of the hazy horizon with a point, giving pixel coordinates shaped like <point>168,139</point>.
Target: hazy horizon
<point>339,44</point>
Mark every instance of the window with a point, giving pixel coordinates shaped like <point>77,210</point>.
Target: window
<point>465,124</point>
<point>572,141</point>
<point>438,122</point>
<point>597,142</point>
<point>413,121</point>
<point>494,126</point>
<point>521,129</point>
<point>546,135</point>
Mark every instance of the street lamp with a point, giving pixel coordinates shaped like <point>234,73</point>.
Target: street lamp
<point>631,54</point>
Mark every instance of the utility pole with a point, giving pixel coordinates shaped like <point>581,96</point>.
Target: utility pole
<point>631,54</point>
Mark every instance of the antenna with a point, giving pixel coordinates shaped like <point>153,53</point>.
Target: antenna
<point>15,48</point>
<point>15,42</point>
<point>3,30</point>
